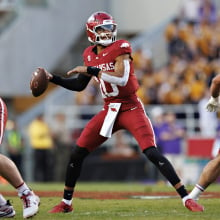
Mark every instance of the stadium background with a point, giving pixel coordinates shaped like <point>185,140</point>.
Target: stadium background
<point>51,34</point>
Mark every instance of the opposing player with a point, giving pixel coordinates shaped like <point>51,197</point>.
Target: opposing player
<point>9,171</point>
<point>110,63</point>
<point>212,169</point>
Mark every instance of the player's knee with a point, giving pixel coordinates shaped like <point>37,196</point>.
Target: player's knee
<point>153,154</point>
<point>78,153</point>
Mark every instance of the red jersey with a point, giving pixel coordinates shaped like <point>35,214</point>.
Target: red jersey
<point>106,62</point>
<point>131,108</point>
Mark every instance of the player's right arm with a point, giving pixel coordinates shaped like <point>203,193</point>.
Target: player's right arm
<point>78,83</point>
<point>213,103</point>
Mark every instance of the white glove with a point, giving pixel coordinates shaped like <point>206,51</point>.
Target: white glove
<point>213,104</point>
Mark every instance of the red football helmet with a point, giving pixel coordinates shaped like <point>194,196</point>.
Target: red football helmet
<point>101,28</point>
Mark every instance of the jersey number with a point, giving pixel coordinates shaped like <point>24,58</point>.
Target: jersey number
<point>106,94</point>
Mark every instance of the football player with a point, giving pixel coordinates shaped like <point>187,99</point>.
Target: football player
<point>9,171</point>
<point>212,169</point>
<point>109,62</point>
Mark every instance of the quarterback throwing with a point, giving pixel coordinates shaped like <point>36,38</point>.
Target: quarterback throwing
<point>109,62</point>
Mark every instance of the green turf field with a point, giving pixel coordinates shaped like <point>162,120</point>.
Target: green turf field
<point>112,209</point>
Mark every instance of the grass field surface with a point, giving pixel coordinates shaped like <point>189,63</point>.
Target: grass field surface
<point>139,201</point>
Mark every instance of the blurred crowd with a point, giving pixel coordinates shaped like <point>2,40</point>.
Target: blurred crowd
<point>42,146</point>
<point>193,48</point>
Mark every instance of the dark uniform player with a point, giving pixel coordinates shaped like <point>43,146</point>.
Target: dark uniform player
<point>109,62</point>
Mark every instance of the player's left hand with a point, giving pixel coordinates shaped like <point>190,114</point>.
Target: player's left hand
<point>78,69</point>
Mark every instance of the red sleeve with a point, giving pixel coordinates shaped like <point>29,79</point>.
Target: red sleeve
<point>122,47</point>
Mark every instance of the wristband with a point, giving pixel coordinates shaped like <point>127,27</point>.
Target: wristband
<point>94,71</point>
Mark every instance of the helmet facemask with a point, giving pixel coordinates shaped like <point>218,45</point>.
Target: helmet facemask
<point>107,35</point>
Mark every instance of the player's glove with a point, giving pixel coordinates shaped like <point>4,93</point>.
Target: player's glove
<point>213,104</point>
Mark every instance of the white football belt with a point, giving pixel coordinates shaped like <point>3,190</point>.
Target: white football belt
<point>113,109</point>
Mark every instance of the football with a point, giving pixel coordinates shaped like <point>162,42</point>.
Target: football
<point>39,82</point>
